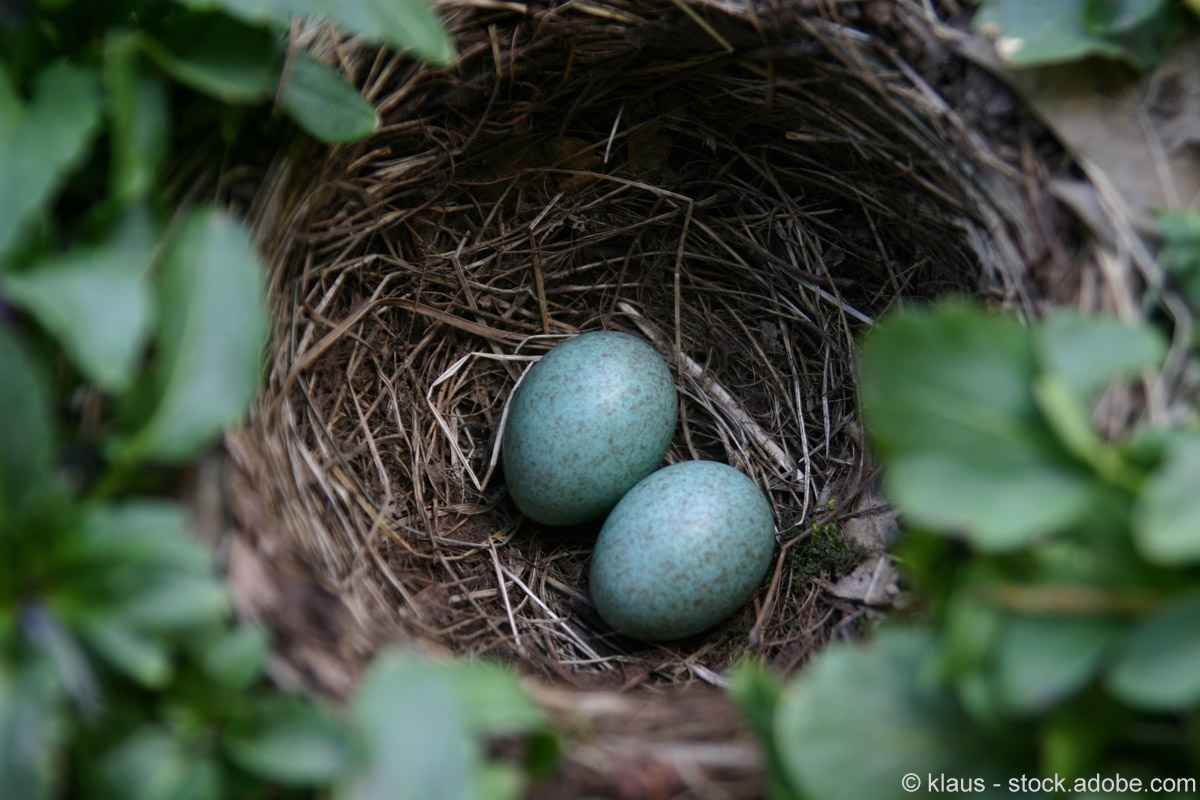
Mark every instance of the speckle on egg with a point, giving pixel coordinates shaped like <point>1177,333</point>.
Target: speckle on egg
<point>592,418</point>
<point>683,549</point>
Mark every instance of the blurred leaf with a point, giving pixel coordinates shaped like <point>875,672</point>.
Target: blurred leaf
<point>492,699</point>
<point>1115,16</point>
<point>324,103</point>
<point>291,741</point>
<point>403,24</point>
<point>25,424</point>
<point>144,533</point>
<point>1090,352</point>
<point>32,731</point>
<point>756,692</point>
<point>438,757</point>
<point>153,764</point>
<point>219,56</point>
<point>1166,517</point>
<point>236,658</point>
<point>60,649</point>
<point>1042,660</point>
<point>1035,32</point>
<point>499,780</point>
<point>1158,665</point>
<point>140,121</point>
<point>42,142</point>
<point>96,303</point>
<point>1179,230</point>
<point>855,722</point>
<point>948,398</point>
<point>141,657</point>
<point>176,602</point>
<point>213,324</point>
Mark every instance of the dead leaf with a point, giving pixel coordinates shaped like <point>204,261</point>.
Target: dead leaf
<point>1137,133</point>
<point>875,582</point>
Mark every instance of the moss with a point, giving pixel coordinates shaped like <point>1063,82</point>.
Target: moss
<point>826,553</point>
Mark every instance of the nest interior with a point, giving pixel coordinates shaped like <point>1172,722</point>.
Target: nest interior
<point>746,186</point>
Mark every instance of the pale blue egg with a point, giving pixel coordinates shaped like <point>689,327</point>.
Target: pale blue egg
<point>592,418</point>
<point>683,550</point>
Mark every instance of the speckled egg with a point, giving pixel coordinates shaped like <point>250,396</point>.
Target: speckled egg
<point>684,549</point>
<point>592,418</point>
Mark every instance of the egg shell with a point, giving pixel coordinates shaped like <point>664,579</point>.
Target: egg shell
<point>592,418</point>
<point>683,550</point>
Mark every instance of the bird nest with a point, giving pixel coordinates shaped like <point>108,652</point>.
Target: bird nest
<point>745,186</point>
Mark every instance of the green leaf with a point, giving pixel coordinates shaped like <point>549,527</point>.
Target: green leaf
<point>1118,16</point>
<point>96,304</point>
<point>1090,352</point>
<point>141,657</point>
<point>25,425</point>
<point>176,602</point>
<point>492,698</point>
<point>856,722</point>
<point>290,741</point>
<point>42,142</point>
<point>948,398</point>
<point>1158,666</point>
<point>140,121</point>
<point>1036,32</point>
<point>154,764</point>
<point>757,692</point>
<point>236,659</point>
<point>212,328</point>
<point>219,56</point>
<point>33,729</point>
<point>439,757</point>
<point>1042,660</point>
<point>1179,230</point>
<point>1166,517</point>
<point>324,103</point>
<point>143,533</point>
<point>402,24</point>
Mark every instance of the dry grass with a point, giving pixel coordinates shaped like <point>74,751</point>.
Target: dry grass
<point>746,187</point>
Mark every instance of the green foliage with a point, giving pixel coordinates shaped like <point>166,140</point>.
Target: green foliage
<point>1061,625</point>
<point>212,323</point>
<point>403,24</point>
<point>325,104</point>
<point>1038,32</point>
<point>121,673</point>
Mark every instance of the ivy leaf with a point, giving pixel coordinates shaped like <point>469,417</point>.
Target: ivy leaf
<point>402,24</point>
<point>25,425</point>
<point>948,398</point>
<point>1087,353</point>
<point>96,303</point>
<point>1158,665</point>
<point>212,327</point>
<point>42,142</point>
<point>437,758</point>
<point>1041,660</point>
<point>325,104</point>
<point>291,741</point>
<point>1166,516</point>
<point>856,722</point>
<point>139,115</point>
<point>219,56</point>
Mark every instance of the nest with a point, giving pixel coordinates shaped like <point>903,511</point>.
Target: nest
<point>745,186</point>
